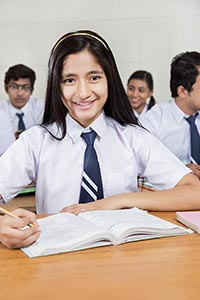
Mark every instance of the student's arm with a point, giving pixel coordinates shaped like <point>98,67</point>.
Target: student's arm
<point>11,234</point>
<point>7,136</point>
<point>195,169</point>
<point>185,196</point>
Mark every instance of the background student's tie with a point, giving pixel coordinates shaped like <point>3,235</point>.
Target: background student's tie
<point>195,139</point>
<point>91,187</point>
<point>21,125</point>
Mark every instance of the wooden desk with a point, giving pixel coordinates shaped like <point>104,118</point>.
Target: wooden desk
<point>159,269</point>
<point>25,201</point>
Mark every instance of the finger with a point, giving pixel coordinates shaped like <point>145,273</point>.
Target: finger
<point>198,175</point>
<point>25,214</point>
<point>16,223</point>
<point>18,243</point>
<point>26,217</point>
<point>30,240</point>
<point>196,167</point>
<point>73,210</point>
<point>84,208</point>
<point>196,172</point>
<point>65,209</point>
<point>10,235</point>
<point>70,207</point>
<point>79,208</point>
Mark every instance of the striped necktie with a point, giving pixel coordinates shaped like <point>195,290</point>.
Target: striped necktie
<point>21,125</point>
<point>91,186</point>
<point>195,139</point>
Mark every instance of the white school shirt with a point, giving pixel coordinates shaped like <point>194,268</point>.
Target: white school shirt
<point>7,136</point>
<point>167,122</point>
<point>33,112</point>
<point>144,111</point>
<point>124,152</point>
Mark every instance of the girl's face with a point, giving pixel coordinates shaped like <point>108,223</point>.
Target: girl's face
<point>138,92</point>
<point>84,87</point>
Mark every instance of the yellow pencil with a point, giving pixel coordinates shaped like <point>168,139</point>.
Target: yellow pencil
<point>3,210</point>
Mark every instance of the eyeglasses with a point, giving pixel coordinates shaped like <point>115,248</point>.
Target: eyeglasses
<point>15,87</point>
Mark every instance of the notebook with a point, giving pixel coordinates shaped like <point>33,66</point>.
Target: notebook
<point>190,219</point>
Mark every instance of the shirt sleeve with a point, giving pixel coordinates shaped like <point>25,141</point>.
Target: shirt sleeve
<point>18,165</point>
<point>7,136</point>
<point>158,164</point>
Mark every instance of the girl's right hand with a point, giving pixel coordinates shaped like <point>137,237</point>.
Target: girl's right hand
<point>14,233</point>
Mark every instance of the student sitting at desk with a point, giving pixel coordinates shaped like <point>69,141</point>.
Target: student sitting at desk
<point>90,145</point>
<point>177,123</point>
<point>22,110</point>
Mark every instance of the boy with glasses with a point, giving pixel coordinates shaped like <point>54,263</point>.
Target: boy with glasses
<point>22,109</point>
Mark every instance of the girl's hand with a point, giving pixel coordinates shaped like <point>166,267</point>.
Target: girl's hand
<point>12,231</point>
<point>195,169</point>
<point>114,202</point>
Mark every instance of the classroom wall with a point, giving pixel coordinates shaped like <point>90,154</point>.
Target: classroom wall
<point>143,34</point>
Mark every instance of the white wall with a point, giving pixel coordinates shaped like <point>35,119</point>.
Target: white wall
<point>143,34</point>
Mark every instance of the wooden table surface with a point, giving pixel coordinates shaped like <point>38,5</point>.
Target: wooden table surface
<point>165,268</point>
<point>25,201</point>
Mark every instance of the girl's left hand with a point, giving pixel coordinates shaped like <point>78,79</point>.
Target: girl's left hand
<point>79,208</point>
<point>114,202</point>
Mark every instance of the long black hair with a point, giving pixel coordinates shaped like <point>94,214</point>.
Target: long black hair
<point>147,77</point>
<point>117,105</point>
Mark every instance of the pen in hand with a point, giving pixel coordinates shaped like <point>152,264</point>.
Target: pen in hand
<point>12,215</point>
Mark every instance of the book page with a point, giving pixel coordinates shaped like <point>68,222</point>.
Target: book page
<point>66,232</point>
<point>128,222</point>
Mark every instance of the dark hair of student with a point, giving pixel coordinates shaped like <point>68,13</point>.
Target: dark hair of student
<point>147,77</point>
<point>117,105</point>
<point>19,71</point>
<point>184,71</point>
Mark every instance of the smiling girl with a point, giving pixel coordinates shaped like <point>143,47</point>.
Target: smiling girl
<point>85,97</point>
<point>140,92</point>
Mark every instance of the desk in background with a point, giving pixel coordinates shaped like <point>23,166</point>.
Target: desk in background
<point>25,201</point>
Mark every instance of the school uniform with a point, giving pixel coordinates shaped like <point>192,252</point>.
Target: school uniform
<point>167,122</point>
<point>33,112</point>
<point>144,111</point>
<point>124,152</point>
<point>7,136</point>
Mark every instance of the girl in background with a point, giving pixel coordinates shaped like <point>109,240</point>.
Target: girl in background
<point>140,92</point>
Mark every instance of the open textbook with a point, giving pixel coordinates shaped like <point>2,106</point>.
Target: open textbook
<point>66,232</point>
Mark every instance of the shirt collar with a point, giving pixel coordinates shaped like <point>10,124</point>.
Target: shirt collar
<point>135,113</point>
<point>178,114</point>
<point>74,129</point>
<point>144,111</point>
<point>14,110</point>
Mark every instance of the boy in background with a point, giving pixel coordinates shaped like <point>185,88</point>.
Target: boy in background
<point>22,110</point>
<point>177,123</point>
